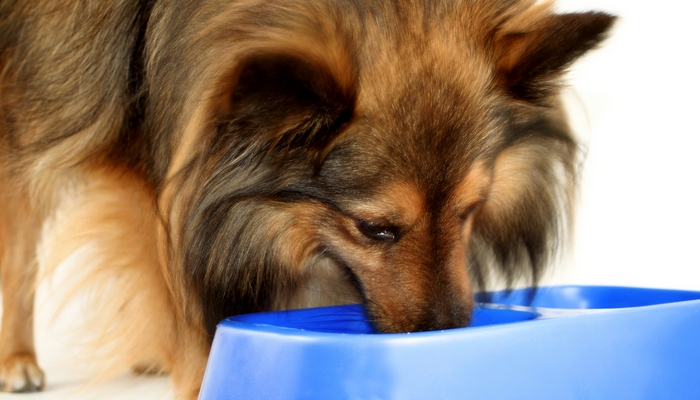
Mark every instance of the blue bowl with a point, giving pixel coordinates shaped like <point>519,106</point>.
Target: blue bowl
<point>567,342</point>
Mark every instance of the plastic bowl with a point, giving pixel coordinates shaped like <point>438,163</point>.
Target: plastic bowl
<point>647,350</point>
<point>586,297</point>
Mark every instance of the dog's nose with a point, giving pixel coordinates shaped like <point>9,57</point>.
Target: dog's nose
<point>447,314</point>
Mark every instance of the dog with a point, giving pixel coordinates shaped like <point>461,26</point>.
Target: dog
<point>236,156</point>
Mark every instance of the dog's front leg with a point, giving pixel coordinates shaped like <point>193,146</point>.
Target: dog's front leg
<point>19,231</point>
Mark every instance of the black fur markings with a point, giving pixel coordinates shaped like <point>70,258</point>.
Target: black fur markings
<point>284,113</point>
<point>133,147</point>
<point>288,102</point>
<point>561,40</point>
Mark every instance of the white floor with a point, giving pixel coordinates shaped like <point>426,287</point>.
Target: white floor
<point>62,386</point>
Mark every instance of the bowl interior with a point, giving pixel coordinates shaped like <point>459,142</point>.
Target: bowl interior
<point>353,319</point>
<point>586,297</point>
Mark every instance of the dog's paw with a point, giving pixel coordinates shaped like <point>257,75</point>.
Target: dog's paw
<point>20,373</point>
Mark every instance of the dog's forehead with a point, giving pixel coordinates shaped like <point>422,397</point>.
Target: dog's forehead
<point>428,72</point>
<point>430,132</point>
<point>439,169</point>
<point>430,103</point>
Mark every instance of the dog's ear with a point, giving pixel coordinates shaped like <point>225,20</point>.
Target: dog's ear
<point>286,101</point>
<point>535,47</point>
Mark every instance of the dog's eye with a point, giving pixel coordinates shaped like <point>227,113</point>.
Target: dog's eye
<point>379,232</point>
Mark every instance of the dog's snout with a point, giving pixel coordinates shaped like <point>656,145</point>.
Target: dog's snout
<point>448,316</point>
<point>418,318</point>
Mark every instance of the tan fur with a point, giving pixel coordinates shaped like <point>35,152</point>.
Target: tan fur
<point>114,217</point>
<point>473,189</point>
<point>19,229</point>
<point>399,201</point>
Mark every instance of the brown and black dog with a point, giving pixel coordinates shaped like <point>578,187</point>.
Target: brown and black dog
<point>233,156</point>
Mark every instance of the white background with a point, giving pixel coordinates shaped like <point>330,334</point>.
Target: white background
<point>638,111</point>
<point>635,103</point>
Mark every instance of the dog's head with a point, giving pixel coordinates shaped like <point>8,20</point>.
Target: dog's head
<point>409,146</point>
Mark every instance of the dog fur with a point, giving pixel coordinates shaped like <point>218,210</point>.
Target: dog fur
<point>233,156</point>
